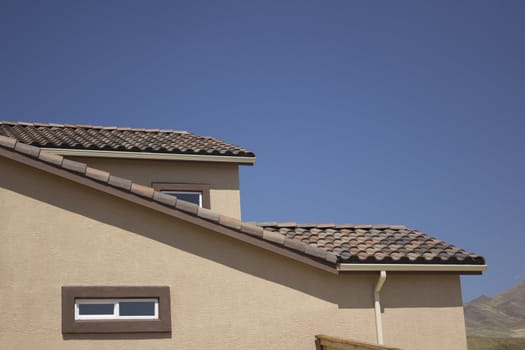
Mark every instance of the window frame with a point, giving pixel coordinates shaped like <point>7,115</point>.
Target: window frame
<point>70,294</point>
<point>116,309</point>
<point>203,189</point>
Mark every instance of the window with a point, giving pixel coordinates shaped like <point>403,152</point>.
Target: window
<point>195,193</point>
<point>115,309</point>
<point>188,196</point>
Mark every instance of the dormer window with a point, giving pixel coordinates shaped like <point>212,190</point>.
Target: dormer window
<point>188,196</point>
<point>195,193</point>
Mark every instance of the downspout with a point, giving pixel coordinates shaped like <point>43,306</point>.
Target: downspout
<point>377,306</point>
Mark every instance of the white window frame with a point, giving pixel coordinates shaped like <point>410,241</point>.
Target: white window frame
<point>175,192</point>
<point>116,309</point>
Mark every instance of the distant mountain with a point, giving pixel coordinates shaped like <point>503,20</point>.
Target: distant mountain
<point>500,316</point>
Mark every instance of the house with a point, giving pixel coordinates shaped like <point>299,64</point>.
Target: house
<point>118,238</point>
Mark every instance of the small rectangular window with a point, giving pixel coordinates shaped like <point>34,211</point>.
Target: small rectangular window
<point>195,193</point>
<point>116,309</point>
<point>188,196</point>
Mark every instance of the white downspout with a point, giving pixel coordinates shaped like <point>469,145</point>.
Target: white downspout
<point>377,306</point>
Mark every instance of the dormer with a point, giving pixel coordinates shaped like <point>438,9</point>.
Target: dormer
<point>203,170</point>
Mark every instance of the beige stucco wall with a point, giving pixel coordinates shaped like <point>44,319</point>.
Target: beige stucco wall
<point>223,178</point>
<point>427,308</point>
<point>225,294</point>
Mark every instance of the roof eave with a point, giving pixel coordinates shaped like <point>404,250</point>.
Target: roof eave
<point>151,156</point>
<point>456,268</point>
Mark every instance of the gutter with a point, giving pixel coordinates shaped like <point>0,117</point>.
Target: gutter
<point>463,269</point>
<point>150,155</point>
<point>377,307</point>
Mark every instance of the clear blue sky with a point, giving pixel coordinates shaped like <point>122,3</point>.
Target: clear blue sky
<point>399,112</point>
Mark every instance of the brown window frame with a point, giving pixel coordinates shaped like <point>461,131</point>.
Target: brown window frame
<point>72,326</point>
<point>204,189</point>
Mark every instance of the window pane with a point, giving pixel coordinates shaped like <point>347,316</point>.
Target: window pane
<point>193,197</point>
<point>95,309</point>
<point>189,197</point>
<point>137,308</point>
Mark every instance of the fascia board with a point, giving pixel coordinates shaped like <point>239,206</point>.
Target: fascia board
<point>150,155</point>
<point>414,268</point>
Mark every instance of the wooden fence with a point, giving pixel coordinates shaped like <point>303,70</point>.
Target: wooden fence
<point>324,342</point>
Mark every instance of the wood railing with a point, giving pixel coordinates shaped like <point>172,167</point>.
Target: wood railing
<point>324,342</point>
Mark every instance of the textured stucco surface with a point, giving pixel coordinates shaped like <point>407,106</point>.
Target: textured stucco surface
<point>223,178</point>
<point>428,309</point>
<point>224,294</point>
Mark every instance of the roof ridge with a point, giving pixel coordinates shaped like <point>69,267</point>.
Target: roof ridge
<point>170,201</point>
<point>332,225</point>
<point>88,126</point>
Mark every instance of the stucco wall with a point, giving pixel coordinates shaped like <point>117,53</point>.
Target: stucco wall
<point>223,178</point>
<point>224,294</point>
<point>426,309</point>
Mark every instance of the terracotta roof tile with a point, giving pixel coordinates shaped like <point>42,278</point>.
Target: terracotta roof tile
<point>187,207</point>
<point>74,166</point>
<point>208,214</point>
<point>273,237</point>
<point>164,199</point>
<point>51,158</point>
<point>331,257</point>
<point>286,224</point>
<point>325,225</point>
<point>348,243</point>
<point>252,229</point>
<point>377,244</point>
<point>230,222</point>
<point>73,136</point>
<point>143,191</point>
<point>295,244</point>
<point>363,226</point>
<point>316,251</point>
<point>28,150</point>
<point>95,174</point>
<point>119,182</point>
<point>7,142</point>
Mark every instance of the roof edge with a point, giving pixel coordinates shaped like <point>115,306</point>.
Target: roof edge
<point>147,197</point>
<point>88,126</point>
<point>150,155</point>
<point>247,232</point>
<point>458,268</point>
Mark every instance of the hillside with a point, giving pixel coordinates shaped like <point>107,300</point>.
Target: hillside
<point>500,316</point>
<point>484,343</point>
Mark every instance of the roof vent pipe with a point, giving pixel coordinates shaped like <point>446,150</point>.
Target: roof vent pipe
<point>377,306</point>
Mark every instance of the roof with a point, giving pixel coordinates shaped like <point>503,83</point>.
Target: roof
<point>90,137</point>
<point>383,244</point>
<point>320,245</point>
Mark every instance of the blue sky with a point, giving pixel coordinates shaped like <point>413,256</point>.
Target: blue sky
<point>404,112</point>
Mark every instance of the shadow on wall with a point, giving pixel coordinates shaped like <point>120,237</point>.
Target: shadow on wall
<point>350,290</point>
